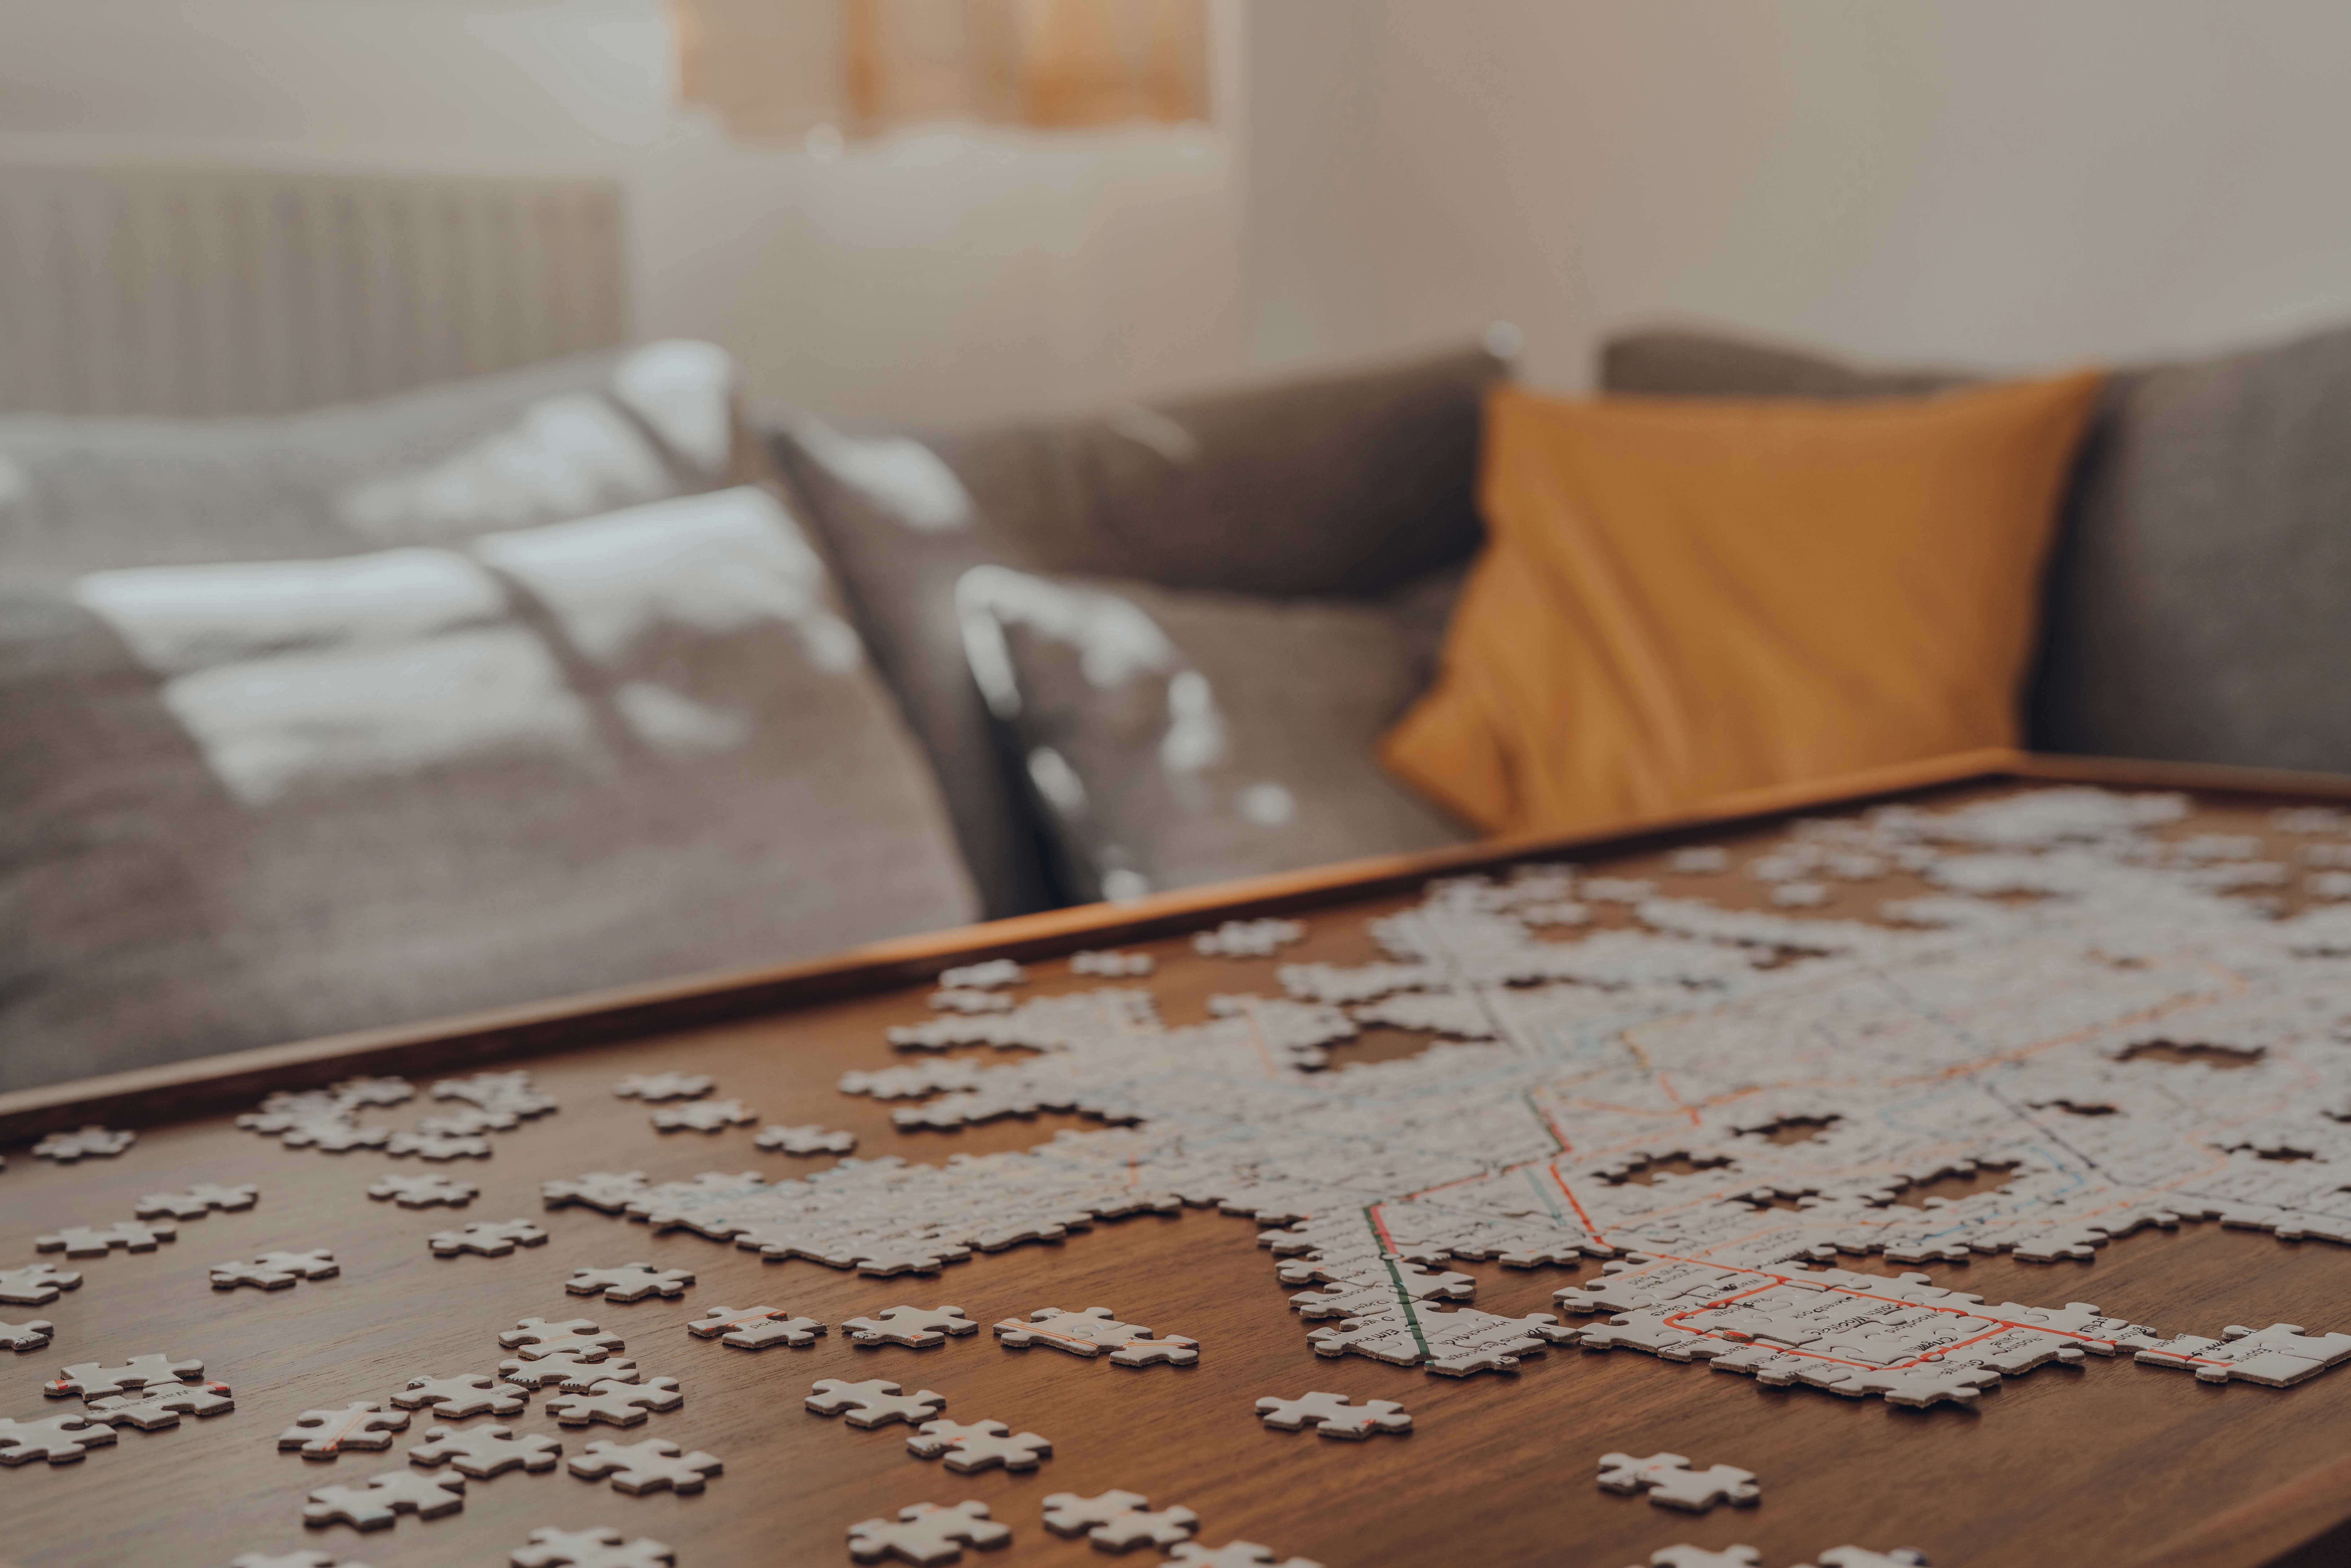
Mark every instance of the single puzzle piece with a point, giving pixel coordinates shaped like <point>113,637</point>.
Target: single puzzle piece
<point>1248,939</point>
<point>197,1201</point>
<point>910,1326</point>
<point>456,1398</point>
<point>575,1374</point>
<point>612,1191</point>
<point>290,1560</point>
<point>1119,1520</point>
<point>92,1380</point>
<point>151,1409</point>
<point>92,1241</point>
<point>379,1503</point>
<point>60,1439</point>
<point>1334,1417</point>
<point>469,1122</point>
<point>927,1533</point>
<point>483,1452</point>
<point>756,1328</point>
<point>489,1238</point>
<point>811,1139</point>
<point>275,1271</point>
<point>978,1446</point>
<point>616,1402</point>
<point>629,1281</point>
<point>91,1142</point>
<point>1672,1483</point>
<point>2278,1355</point>
<point>656,1086</point>
<point>1093,1331</point>
<point>1699,1557</point>
<point>600,1548</point>
<point>703,1116</point>
<point>873,1402</point>
<point>985,976</point>
<point>1111,965</point>
<point>360,1424</point>
<point>24,1336</point>
<point>1234,1554</point>
<point>498,1090</point>
<point>1862,1557</point>
<point>437,1146</point>
<point>534,1339</point>
<point>35,1285</point>
<point>422,1191</point>
<point>333,1138</point>
<point>651,1465</point>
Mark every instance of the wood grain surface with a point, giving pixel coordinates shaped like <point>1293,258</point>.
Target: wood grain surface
<point>2110,1462</point>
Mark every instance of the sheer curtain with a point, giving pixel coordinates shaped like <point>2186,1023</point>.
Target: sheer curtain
<point>784,67</point>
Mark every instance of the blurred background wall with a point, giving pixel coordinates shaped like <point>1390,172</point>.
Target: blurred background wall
<point>2001,182</point>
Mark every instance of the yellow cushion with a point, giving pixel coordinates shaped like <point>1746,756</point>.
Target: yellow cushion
<point>1682,599</point>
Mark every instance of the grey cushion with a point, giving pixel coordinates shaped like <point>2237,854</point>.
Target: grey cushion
<point>2195,597</point>
<point>251,802</point>
<point>1176,737</point>
<point>1336,485</point>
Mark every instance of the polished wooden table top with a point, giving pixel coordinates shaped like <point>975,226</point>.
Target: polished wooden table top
<point>2104,1463</point>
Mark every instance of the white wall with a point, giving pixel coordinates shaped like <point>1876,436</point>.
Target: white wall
<point>940,275</point>
<point>1995,182</point>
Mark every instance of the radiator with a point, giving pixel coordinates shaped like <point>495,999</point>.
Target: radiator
<point>171,291</point>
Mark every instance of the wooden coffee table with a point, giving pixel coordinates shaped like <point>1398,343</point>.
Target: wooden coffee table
<point>2107,1463</point>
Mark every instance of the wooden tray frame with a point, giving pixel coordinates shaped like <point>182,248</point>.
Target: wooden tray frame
<point>206,1085</point>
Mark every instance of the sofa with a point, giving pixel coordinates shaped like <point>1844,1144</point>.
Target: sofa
<point>566,680</point>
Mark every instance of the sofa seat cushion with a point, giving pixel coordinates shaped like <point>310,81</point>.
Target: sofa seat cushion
<point>1173,737</point>
<point>1335,485</point>
<point>249,801</point>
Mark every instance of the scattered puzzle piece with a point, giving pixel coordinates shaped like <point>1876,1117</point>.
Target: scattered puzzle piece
<point>578,1374</point>
<point>196,1202</point>
<point>1249,938</point>
<point>456,1398</point>
<point>422,1191</point>
<point>873,1402</point>
<point>35,1285</point>
<point>1093,1331</point>
<point>498,1090</point>
<point>92,1380</point>
<point>385,1498</point>
<point>1111,965</point>
<point>153,1408</point>
<point>811,1139</point>
<point>1699,1557</point>
<point>29,1335</point>
<point>629,1281</point>
<point>469,1122</point>
<point>437,1146</point>
<point>703,1116</point>
<point>1234,1554</point>
<point>927,1533</point>
<point>534,1339</point>
<point>60,1439</point>
<point>910,1326</point>
<point>651,1465</point>
<point>90,1241</point>
<point>610,1191</point>
<point>92,1142</point>
<point>290,1560</point>
<point>978,1446</point>
<point>1862,1557</point>
<point>275,1271</point>
<point>1672,1483</point>
<point>360,1424</point>
<point>600,1548</point>
<point>490,1238</point>
<point>1334,1417</point>
<point>658,1086</point>
<point>756,1328</point>
<point>1119,1520</point>
<point>616,1402</point>
<point>986,976</point>
<point>482,1452</point>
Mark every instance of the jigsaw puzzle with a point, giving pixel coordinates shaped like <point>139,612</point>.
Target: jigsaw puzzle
<point>456,1398</point>
<point>32,1335</point>
<point>1119,1520</point>
<point>703,1116</point>
<point>35,1285</point>
<point>534,1339</point>
<point>910,1326</point>
<point>511,1092</point>
<point>430,1145</point>
<point>1234,1554</point>
<point>811,1139</point>
<point>927,1533</point>
<point>59,1440</point>
<point>575,1374</point>
<point>1110,964</point>
<point>97,1241</point>
<point>482,1452</point>
<point>600,1548</point>
<point>423,1191</point>
<point>83,1144</point>
<point>756,1328</point>
<point>275,1271</point>
<point>651,1465</point>
<point>160,1406</point>
<point>978,1446</point>
<point>94,1380</point>
<point>616,1402</point>
<point>657,1086</point>
<point>629,1282</point>
<point>1249,938</point>
<point>488,1238</point>
<point>873,1402</point>
<point>1095,1330</point>
<point>1334,1417</point>
<point>361,1424</point>
<point>377,1504</point>
<point>196,1202</point>
<point>1672,1483</point>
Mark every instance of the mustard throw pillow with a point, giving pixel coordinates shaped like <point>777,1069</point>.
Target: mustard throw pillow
<point>1684,599</point>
